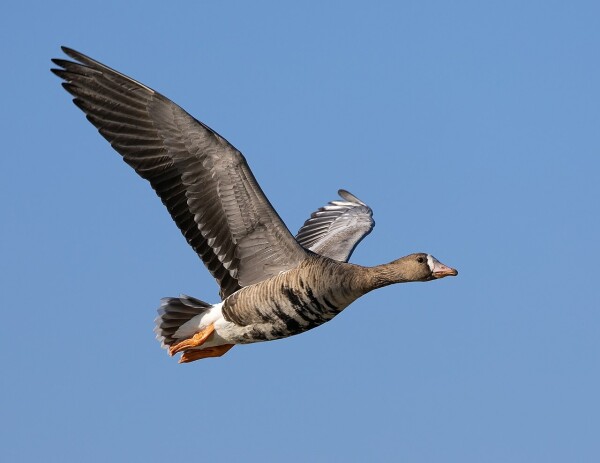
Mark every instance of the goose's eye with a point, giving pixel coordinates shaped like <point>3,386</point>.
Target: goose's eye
<point>420,260</point>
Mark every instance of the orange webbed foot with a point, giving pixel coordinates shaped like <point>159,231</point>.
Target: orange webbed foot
<point>195,341</point>
<point>192,355</point>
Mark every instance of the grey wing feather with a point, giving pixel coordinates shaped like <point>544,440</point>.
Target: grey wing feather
<point>335,229</point>
<point>204,182</point>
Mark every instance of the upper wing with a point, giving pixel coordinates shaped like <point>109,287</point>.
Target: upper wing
<point>204,182</point>
<point>334,230</point>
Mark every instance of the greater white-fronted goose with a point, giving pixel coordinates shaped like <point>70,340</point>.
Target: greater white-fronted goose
<point>272,285</point>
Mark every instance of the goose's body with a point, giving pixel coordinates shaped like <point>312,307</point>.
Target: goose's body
<point>272,284</point>
<point>287,304</point>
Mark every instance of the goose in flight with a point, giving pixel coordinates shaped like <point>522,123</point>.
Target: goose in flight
<point>272,285</point>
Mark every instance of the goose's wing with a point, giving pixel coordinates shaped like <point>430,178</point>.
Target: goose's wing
<point>204,182</point>
<point>335,229</point>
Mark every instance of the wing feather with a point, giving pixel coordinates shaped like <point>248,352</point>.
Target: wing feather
<point>204,182</point>
<point>335,229</point>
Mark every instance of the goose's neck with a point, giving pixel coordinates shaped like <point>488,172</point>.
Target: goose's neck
<point>385,275</point>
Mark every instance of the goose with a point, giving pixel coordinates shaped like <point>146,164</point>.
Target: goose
<point>272,285</point>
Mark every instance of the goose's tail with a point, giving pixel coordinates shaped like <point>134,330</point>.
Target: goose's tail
<point>173,313</point>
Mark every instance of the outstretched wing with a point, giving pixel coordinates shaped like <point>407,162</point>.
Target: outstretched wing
<point>204,182</point>
<point>335,229</point>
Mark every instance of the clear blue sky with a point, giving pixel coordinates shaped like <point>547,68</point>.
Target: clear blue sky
<point>472,130</point>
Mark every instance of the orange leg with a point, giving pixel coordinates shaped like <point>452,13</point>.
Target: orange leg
<point>191,355</point>
<point>197,340</point>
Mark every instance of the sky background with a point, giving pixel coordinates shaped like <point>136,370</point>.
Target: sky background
<point>471,129</point>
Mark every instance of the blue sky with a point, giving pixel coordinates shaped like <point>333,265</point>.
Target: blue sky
<point>471,129</point>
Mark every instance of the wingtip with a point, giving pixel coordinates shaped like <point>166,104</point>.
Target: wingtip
<point>64,64</point>
<point>345,194</point>
<point>56,72</point>
<point>69,51</point>
<point>61,63</point>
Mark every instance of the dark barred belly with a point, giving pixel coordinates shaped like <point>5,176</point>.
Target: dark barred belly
<point>291,302</point>
<point>284,314</point>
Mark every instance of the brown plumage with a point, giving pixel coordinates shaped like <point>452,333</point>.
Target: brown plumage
<point>271,286</point>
